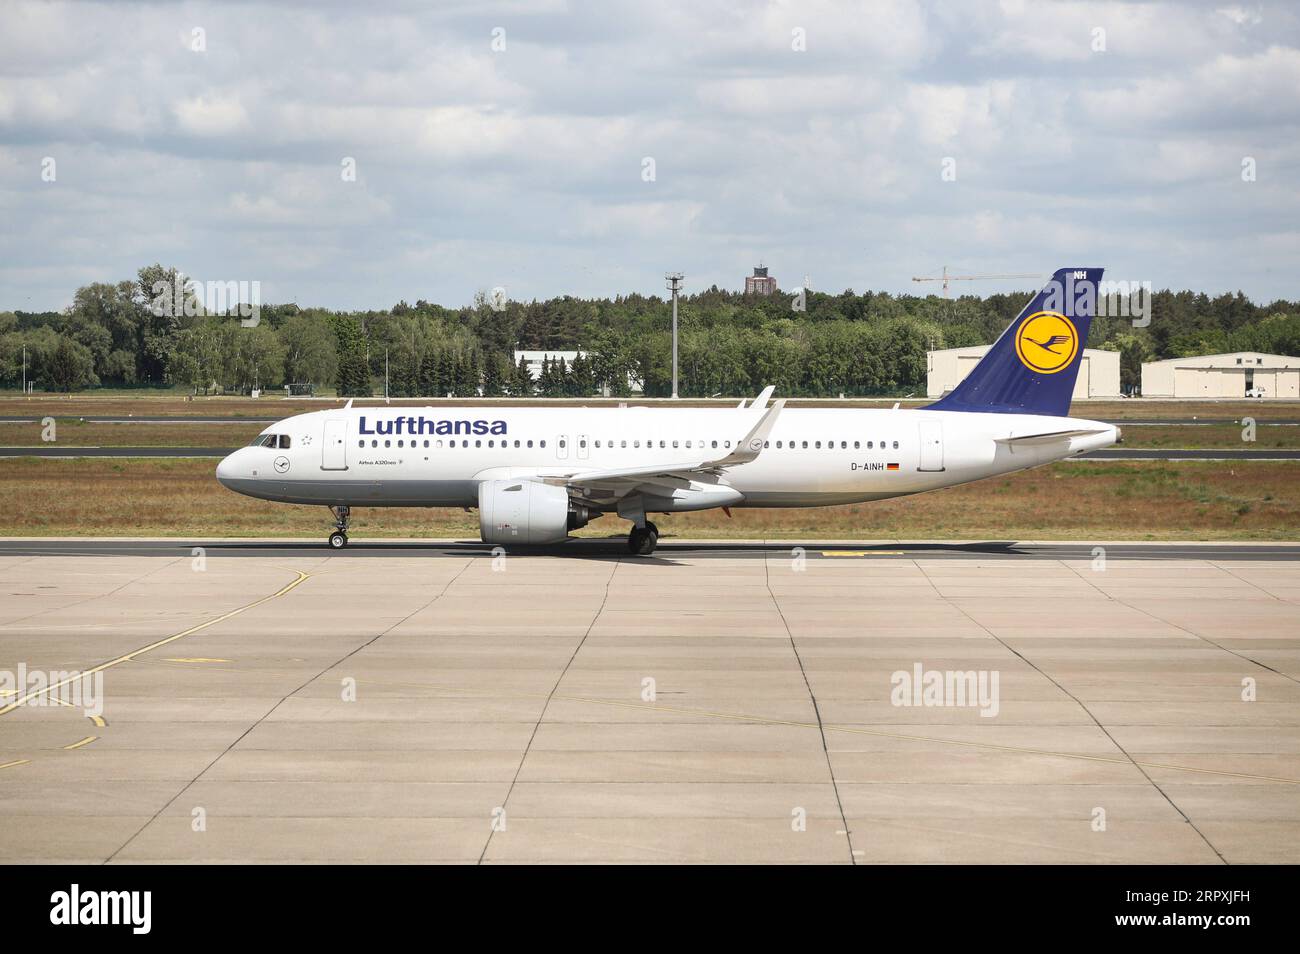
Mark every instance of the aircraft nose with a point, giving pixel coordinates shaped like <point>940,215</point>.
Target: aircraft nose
<point>227,470</point>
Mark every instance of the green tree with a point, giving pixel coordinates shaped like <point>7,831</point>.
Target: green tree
<point>310,350</point>
<point>70,366</point>
<point>350,348</point>
<point>495,371</point>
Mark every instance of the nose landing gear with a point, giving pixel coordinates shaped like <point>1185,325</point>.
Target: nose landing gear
<point>642,540</point>
<point>339,538</point>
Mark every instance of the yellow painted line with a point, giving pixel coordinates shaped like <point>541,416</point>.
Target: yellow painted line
<point>858,553</point>
<point>86,741</point>
<point>98,720</point>
<point>195,659</point>
<point>155,645</point>
<point>14,762</point>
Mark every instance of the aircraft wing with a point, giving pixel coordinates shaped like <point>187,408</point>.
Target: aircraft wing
<point>618,482</point>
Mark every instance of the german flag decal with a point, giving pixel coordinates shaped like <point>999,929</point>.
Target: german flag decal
<point>891,467</point>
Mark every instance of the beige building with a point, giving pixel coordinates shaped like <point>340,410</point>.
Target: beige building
<point>1098,372</point>
<point>1242,374</point>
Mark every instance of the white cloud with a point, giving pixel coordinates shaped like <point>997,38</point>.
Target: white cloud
<point>214,115</point>
<point>473,165</point>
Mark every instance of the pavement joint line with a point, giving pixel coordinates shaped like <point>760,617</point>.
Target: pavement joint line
<point>97,596</point>
<point>812,696</point>
<point>1221,567</point>
<point>541,716</point>
<point>1129,759</point>
<point>830,726</point>
<point>279,702</point>
<point>1195,635</point>
<point>127,657</point>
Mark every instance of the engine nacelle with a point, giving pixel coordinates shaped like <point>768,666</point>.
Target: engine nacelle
<point>522,511</point>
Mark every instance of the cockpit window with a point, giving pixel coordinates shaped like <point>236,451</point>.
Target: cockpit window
<point>268,440</point>
<point>284,442</point>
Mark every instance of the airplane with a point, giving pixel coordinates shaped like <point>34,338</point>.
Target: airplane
<point>536,473</point>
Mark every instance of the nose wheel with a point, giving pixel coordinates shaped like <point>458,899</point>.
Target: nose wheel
<point>642,540</point>
<point>339,538</point>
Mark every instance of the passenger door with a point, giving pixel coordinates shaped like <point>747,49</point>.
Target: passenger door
<point>333,449</point>
<point>931,434</point>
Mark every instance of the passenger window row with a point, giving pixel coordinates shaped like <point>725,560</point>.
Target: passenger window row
<point>438,444</point>
<point>636,444</point>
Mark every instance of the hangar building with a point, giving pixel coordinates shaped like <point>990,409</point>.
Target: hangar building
<point>1242,374</point>
<point>1098,372</point>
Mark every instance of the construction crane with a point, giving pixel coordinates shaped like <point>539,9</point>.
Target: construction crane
<point>946,278</point>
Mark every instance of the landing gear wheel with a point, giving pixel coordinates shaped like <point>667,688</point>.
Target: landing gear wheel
<point>342,517</point>
<point>642,540</point>
<point>652,528</point>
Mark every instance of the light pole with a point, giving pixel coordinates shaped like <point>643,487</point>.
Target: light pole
<point>674,283</point>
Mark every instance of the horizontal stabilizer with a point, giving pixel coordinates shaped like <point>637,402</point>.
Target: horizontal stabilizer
<point>1047,437</point>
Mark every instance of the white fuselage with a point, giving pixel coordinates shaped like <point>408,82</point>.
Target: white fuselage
<point>436,457</point>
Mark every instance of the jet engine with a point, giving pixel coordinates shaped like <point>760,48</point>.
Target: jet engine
<point>526,511</point>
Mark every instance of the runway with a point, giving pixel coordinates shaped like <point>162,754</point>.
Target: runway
<point>743,703</point>
<point>1112,453</point>
<point>669,550</point>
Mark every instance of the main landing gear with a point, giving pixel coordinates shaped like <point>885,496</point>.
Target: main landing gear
<point>339,538</point>
<point>642,540</point>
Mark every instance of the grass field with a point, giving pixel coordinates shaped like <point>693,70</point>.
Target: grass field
<point>1216,436</point>
<point>1187,500</point>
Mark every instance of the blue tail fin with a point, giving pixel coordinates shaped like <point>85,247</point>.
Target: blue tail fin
<point>1032,367</point>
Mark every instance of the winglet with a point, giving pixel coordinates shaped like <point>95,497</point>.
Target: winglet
<point>752,445</point>
<point>348,405</point>
<point>763,397</point>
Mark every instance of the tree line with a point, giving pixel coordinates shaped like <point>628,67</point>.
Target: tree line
<point>870,343</point>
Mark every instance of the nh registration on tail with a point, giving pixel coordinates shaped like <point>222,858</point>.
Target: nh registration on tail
<point>536,473</point>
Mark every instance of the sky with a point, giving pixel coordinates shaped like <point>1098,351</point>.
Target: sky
<point>352,154</point>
